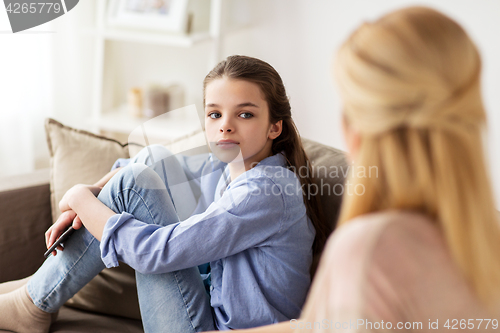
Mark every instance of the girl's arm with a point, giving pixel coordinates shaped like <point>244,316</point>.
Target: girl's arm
<point>82,199</point>
<point>71,217</point>
<point>101,182</point>
<point>244,217</point>
<point>283,327</point>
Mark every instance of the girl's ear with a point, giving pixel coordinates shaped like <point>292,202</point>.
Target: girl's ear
<point>275,130</point>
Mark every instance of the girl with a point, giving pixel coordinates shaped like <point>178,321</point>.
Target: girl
<point>251,221</point>
<point>419,251</point>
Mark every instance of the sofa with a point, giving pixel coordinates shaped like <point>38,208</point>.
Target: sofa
<point>29,206</point>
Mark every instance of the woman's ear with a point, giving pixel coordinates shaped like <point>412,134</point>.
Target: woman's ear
<point>275,130</point>
<point>351,138</point>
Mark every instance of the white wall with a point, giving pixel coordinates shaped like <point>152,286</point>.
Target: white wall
<point>299,38</point>
<point>26,96</point>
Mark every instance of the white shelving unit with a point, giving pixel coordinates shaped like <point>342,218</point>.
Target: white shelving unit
<point>117,120</point>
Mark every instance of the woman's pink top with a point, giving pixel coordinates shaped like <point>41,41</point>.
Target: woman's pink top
<point>394,269</point>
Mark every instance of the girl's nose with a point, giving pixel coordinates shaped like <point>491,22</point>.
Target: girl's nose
<point>226,127</point>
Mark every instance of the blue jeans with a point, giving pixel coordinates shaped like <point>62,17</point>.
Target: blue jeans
<point>169,302</point>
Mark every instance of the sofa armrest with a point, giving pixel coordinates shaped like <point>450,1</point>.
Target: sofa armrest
<point>25,216</point>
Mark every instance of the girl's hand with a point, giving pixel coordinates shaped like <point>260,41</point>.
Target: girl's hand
<point>73,193</point>
<point>64,221</point>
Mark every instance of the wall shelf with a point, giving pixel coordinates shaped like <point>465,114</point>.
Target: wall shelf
<point>170,128</point>
<point>111,118</point>
<point>156,38</point>
<point>176,40</point>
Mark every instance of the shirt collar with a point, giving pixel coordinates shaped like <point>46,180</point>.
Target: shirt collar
<point>274,160</point>
<point>277,160</point>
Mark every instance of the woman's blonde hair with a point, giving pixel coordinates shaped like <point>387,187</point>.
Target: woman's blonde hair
<point>410,83</point>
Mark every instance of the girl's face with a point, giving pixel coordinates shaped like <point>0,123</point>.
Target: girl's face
<point>237,121</point>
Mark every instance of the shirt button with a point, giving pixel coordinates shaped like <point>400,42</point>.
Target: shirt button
<point>211,288</point>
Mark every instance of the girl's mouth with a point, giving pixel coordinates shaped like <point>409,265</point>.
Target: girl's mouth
<point>227,144</point>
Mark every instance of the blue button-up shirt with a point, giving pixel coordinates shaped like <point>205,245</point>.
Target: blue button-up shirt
<point>255,233</point>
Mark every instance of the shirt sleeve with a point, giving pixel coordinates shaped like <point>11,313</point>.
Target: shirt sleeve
<point>121,162</point>
<point>244,217</point>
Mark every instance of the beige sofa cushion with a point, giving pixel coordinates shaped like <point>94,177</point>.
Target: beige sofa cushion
<point>80,157</point>
<point>77,156</point>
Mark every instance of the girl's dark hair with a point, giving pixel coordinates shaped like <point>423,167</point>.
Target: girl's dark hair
<point>267,78</point>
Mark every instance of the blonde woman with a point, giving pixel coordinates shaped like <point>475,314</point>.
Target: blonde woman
<point>419,250</point>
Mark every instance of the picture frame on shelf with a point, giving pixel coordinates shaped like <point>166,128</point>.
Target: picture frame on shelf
<point>158,15</point>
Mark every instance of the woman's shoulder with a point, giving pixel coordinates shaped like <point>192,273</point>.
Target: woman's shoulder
<point>369,229</point>
<point>388,261</point>
<point>391,266</point>
<point>395,236</point>
<point>369,263</point>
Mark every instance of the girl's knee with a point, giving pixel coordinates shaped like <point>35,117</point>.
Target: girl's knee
<point>151,154</point>
<point>136,175</point>
<point>132,188</point>
<point>144,177</point>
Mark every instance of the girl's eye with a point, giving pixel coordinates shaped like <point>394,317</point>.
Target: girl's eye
<point>214,115</point>
<point>246,115</point>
